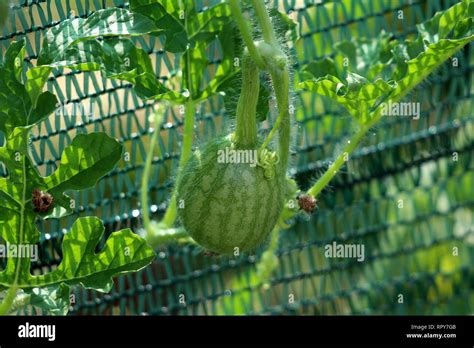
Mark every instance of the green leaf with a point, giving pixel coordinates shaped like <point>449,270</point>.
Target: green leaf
<point>190,32</point>
<point>166,16</point>
<point>83,163</point>
<point>194,63</point>
<point>204,28</point>
<point>22,178</point>
<point>108,22</point>
<point>72,44</point>
<point>381,69</point>
<point>54,300</point>
<point>47,103</point>
<point>182,25</point>
<point>320,68</point>
<point>123,252</point>
<point>25,195</point>
<point>16,107</point>
<point>86,160</point>
<point>227,77</point>
<point>36,78</point>
<point>13,61</point>
<point>366,57</point>
<point>206,25</point>
<point>14,102</point>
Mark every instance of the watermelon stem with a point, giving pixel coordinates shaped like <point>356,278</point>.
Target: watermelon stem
<point>246,130</point>
<point>245,32</point>
<point>277,64</point>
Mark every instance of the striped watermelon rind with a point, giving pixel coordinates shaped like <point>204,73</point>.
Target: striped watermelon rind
<point>228,207</point>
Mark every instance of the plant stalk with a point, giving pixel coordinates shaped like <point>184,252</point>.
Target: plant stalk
<point>246,130</point>
<point>164,231</point>
<point>265,22</point>
<point>281,85</point>
<point>186,151</point>
<point>157,122</point>
<point>277,64</point>
<point>245,32</point>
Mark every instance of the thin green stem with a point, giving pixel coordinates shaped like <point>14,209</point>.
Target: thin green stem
<point>340,160</point>
<point>186,151</point>
<point>265,22</point>
<point>281,85</point>
<point>269,261</point>
<point>171,213</point>
<point>163,236</point>
<point>157,120</point>
<point>162,233</point>
<point>273,131</point>
<point>242,23</point>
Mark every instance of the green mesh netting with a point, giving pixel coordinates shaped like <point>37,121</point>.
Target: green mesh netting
<point>425,165</point>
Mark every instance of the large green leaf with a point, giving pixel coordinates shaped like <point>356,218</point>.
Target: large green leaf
<point>83,163</point>
<point>166,16</point>
<point>73,44</point>
<point>16,108</point>
<point>186,30</point>
<point>123,252</point>
<point>86,160</point>
<point>15,105</point>
<point>181,23</point>
<point>381,69</point>
<point>109,22</point>
<point>204,28</point>
<point>116,58</point>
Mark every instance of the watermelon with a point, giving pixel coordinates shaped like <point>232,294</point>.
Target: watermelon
<point>228,207</point>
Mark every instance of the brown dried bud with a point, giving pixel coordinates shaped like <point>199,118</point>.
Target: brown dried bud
<point>308,203</point>
<point>42,201</point>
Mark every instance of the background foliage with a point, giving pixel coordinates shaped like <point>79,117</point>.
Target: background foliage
<point>408,250</point>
